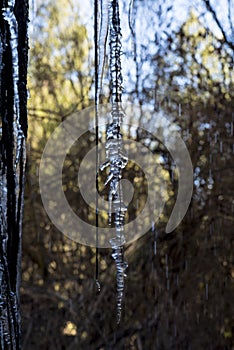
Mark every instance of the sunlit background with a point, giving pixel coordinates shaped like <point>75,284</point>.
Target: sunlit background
<point>177,56</point>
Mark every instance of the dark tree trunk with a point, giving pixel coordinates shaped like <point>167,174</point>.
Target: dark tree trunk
<point>13,111</point>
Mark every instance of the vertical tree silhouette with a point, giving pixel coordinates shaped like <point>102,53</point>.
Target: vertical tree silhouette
<point>13,111</point>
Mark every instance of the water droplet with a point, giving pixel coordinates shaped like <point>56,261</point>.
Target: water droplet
<point>221,146</point>
<point>207,291</point>
<point>179,110</point>
<point>155,247</point>
<point>98,286</point>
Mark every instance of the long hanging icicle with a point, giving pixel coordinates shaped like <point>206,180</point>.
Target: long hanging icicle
<point>96,39</point>
<point>102,39</point>
<point>18,140</point>
<point>116,160</point>
<point>13,70</point>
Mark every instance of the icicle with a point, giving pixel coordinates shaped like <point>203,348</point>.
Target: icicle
<point>96,54</point>
<point>179,109</point>
<point>9,16</point>
<point>231,129</point>
<point>105,4</point>
<point>19,141</point>
<point>231,125</point>
<point>115,54</point>
<point>1,53</point>
<point>98,286</point>
<point>155,246</point>
<point>9,314</point>
<point>221,147</point>
<point>116,160</point>
<point>210,180</point>
<point>121,266</point>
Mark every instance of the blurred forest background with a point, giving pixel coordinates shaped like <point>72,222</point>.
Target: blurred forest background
<point>177,57</point>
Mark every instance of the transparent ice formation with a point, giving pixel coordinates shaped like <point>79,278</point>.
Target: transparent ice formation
<point>116,160</point>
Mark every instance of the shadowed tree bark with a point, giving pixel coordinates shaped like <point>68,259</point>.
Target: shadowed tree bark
<point>13,111</point>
